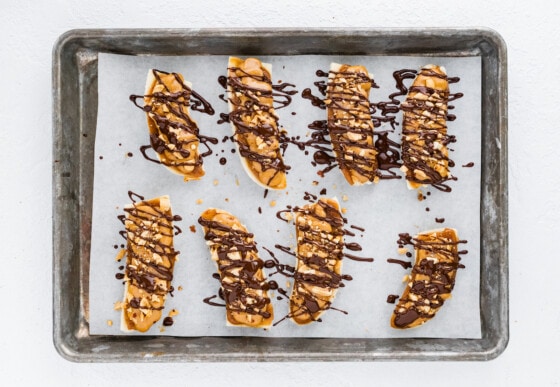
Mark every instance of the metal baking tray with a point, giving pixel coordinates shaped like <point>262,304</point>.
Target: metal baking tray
<point>74,118</point>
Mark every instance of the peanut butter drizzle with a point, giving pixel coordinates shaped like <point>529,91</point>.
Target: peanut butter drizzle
<point>255,123</point>
<point>150,260</point>
<point>349,123</point>
<point>174,135</point>
<point>432,277</point>
<point>243,284</point>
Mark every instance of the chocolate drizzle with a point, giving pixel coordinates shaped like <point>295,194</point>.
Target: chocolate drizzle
<point>432,277</point>
<point>404,264</point>
<point>319,260</point>
<point>243,286</point>
<point>424,134</point>
<point>388,151</point>
<point>349,123</point>
<point>253,99</point>
<point>317,275</point>
<point>384,112</point>
<point>173,133</point>
<point>150,258</point>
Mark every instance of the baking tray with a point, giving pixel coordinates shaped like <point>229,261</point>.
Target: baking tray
<point>74,125</point>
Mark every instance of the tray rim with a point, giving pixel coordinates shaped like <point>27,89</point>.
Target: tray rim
<point>69,345</point>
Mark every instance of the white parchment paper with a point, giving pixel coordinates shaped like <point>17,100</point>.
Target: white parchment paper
<point>384,210</point>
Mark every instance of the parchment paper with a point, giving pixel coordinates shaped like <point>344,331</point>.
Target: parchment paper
<point>384,210</point>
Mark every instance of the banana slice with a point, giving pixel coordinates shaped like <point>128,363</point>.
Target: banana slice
<point>320,243</point>
<point>174,135</point>
<point>254,122</point>
<point>424,132</point>
<point>243,283</point>
<point>432,278</point>
<point>150,258</point>
<point>349,122</point>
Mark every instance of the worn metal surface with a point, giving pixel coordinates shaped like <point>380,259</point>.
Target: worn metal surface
<point>74,125</point>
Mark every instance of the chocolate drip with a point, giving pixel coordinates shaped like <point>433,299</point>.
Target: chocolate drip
<point>315,101</point>
<point>388,156</point>
<point>404,264</point>
<point>273,262</point>
<point>199,104</point>
<point>208,300</point>
<point>281,96</point>
<point>356,258</point>
<point>168,321</point>
<point>389,109</point>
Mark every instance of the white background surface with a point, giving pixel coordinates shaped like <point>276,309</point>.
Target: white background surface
<point>29,30</point>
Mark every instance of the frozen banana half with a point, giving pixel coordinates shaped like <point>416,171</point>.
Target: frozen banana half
<point>424,130</point>
<point>150,258</point>
<point>254,121</point>
<point>350,124</point>
<point>244,287</point>
<point>432,278</point>
<point>174,135</point>
<point>320,244</point>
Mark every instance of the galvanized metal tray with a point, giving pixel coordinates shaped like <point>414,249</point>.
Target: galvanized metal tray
<point>74,120</point>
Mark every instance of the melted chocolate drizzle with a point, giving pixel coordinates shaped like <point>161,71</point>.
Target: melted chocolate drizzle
<point>404,264</point>
<point>349,123</point>
<point>239,277</point>
<point>389,109</point>
<point>413,155</point>
<point>327,278</point>
<point>323,274</point>
<point>256,100</point>
<point>167,139</point>
<point>151,275</point>
<point>383,112</point>
<point>441,276</point>
<point>388,151</point>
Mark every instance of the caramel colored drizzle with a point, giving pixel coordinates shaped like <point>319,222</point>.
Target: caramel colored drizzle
<point>174,135</point>
<point>150,260</point>
<point>432,278</point>
<point>349,123</point>
<point>243,284</point>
